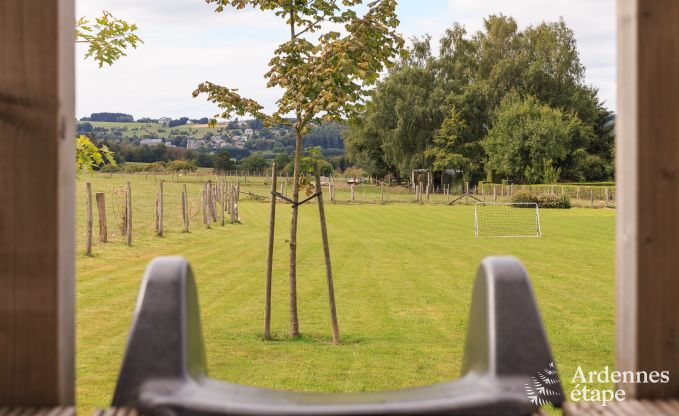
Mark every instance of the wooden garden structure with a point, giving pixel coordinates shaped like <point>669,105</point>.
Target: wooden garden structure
<point>37,210</point>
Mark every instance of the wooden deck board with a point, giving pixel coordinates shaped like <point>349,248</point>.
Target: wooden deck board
<point>624,408</point>
<point>37,411</point>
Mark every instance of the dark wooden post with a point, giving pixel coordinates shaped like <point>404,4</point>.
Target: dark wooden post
<point>37,184</point>
<point>648,199</point>
<point>157,212</point>
<point>269,257</point>
<point>222,196</point>
<point>207,219</point>
<point>101,208</point>
<point>326,253</point>
<point>128,214</point>
<point>232,203</point>
<point>160,209</point>
<point>185,209</point>
<point>88,231</point>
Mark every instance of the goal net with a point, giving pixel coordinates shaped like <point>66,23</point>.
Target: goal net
<point>506,219</point>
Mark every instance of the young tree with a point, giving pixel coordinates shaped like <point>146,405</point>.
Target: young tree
<point>324,74</point>
<point>222,161</point>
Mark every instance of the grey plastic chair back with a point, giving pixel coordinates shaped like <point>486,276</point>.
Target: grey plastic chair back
<point>508,368</point>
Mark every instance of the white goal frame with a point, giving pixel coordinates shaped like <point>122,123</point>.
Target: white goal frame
<point>526,205</point>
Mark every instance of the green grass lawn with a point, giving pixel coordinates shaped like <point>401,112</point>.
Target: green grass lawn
<point>403,279</point>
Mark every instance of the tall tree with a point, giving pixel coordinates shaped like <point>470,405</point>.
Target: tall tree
<point>528,140</point>
<point>323,73</point>
<point>404,126</point>
<point>399,123</point>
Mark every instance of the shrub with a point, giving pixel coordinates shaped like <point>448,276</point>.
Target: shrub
<point>182,166</point>
<point>156,167</point>
<point>547,200</point>
<point>110,169</point>
<point>523,197</point>
<point>133,168</point>
<point>553,201</point>
<point>565,201</point>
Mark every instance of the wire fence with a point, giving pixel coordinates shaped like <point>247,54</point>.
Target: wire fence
<point>145,188</point>
<point>186,203</point>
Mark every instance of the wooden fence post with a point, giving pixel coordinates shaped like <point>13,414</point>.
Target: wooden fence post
<point>101,208</point>
<point>157,212</point>
<point>494,192</point>
<point>606,196</point>
<point>222,196</point>
<point>206,214</point>
<point>269,257</point>
<point>211,202</point>
<point>591,195</point>
<point>160,209</point>
<point>353,192</point>
<point>185,209</point>
<point>577,193</point>
<point>231,203</point>
<point>326,253</point>
<point>237,199</point>
<point>228,198</point>
<point>88,232</point>
<point>128,214</point>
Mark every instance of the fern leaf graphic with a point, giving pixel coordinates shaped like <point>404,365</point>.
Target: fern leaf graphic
<point>538,392</point>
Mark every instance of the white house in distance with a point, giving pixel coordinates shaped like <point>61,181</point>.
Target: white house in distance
<point>150,142</point>
<point>194,144</point>
<point>164,120</point>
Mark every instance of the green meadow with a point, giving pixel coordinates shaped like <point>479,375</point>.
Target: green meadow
<point>403,279</point>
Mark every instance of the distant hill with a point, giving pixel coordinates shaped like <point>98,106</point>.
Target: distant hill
<point>246,136</point>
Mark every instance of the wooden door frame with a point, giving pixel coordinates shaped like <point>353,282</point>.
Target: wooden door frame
<point>37,181</point>
<point>37,236</point>
<point>647,162</point>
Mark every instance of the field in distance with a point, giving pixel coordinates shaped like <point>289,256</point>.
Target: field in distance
<point>403,279</point>
<point>132,129</point>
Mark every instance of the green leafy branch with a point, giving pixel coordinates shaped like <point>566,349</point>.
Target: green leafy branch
<point>108,37</point>
<point>324,78</point>
<point>89,157</point>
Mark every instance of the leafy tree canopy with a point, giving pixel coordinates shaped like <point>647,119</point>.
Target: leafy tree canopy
<point>436,110</point>
<point>323,75</point>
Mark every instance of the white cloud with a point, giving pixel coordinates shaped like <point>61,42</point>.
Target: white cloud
<point>186,43</point>
<point>593,21</point>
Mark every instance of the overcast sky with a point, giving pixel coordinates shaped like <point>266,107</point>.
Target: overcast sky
<point>186,43</point>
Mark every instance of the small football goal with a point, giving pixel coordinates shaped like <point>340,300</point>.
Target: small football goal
<point>494,219</point>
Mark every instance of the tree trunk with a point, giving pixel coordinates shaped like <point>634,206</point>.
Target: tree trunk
<point>294,322</point>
